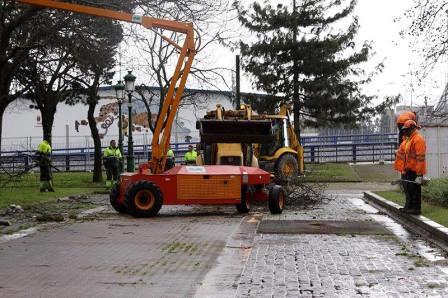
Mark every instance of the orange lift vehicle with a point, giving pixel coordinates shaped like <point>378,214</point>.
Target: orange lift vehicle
<point>143,193</point>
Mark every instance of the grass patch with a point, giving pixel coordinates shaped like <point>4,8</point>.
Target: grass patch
<point>436,192</point>
<point>436,213</point>
<point>25,192</point>
<point>376,172</point>
<point>331,172</point>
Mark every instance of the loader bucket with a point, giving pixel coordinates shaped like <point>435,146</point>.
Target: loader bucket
<point>236,131</point>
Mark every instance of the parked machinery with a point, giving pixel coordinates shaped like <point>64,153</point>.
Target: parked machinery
<point>143,193</point>
<point>241,137</point>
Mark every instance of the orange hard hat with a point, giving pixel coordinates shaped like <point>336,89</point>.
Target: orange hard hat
<point>410,124</point>
<point>407,115</point>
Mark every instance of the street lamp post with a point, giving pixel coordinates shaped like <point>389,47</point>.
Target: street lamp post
<point>119,91</point>
<point>129,80</point>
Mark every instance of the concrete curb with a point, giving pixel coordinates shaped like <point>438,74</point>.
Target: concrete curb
<point>417,224</point>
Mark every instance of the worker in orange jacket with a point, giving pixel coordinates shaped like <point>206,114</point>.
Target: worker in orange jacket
<point>410,161</point>
<point>401,119</point>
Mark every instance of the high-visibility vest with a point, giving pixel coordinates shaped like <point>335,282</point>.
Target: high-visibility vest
<point>170,153</point>
<point>112,152</point>
<point>44,147</point>
<point>411,156</point>
<point>191,156</point>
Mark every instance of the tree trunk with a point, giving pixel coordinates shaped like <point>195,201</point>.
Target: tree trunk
<point>2,111</point>
<point>97,170</point>
<point>47,123</point>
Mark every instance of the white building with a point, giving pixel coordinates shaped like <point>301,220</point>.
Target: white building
<point>22,127</point>
<point>435,131</point>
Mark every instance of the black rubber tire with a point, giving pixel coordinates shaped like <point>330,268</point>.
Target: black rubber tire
<point>287,160</point>
<point>133,205</point>
<point>277,199</point>
<point>244,206</point>
<point>114,196</point>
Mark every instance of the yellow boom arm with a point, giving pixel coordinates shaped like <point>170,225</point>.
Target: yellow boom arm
<point>162,132</point>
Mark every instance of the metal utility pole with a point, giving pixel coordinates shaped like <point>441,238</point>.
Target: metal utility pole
<point>120,93</point>
<point>129,80</point>
<point>237,91</point>
<point>295,96</point>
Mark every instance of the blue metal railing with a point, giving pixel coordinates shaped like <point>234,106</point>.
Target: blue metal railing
<point>357,138</point>
<point>355,148</point>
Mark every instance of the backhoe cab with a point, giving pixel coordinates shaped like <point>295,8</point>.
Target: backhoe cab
<point>241,137</point>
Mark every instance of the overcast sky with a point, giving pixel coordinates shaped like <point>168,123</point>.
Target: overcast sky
<point>376,18</point>
<point>377,24</point>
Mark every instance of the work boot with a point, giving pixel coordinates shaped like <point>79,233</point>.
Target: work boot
<point>414,212</point>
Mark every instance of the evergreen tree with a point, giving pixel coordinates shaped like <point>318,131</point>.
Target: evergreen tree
<point>306,52</point>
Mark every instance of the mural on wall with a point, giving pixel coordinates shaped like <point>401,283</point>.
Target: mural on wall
<point>108,116</point>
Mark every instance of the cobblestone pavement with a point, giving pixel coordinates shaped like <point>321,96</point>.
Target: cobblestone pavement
<point>342,265</point>
<point>118,256</point>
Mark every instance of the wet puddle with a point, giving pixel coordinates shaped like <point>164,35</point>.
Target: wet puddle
<point>417,246</point>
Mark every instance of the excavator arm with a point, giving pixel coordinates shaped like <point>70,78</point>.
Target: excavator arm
<point>162,131</point>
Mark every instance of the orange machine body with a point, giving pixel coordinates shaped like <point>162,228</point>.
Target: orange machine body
<point>204,185</point>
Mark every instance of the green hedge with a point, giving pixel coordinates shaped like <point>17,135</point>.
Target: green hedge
<point>436,192</point>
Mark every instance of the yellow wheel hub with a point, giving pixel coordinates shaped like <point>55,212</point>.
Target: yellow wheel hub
<point>288,169</point>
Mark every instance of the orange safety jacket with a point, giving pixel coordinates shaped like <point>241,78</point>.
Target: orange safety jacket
<point>411,156</point>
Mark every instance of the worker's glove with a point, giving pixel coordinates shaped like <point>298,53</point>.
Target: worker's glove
<point>419,180</point>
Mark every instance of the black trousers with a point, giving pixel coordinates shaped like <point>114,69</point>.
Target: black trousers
<point>413,192</point>
<point>112,166</point>
<point>112,172</point>
<point>45,172</point>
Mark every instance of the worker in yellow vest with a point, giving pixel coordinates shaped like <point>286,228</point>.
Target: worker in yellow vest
<point>111,161</point>
<point>170,161</point>
<point>190,156</point>
<point>44,161</point>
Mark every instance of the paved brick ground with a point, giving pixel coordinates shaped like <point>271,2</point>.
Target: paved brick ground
<point>338,266</point>
<point>211,254</point>
<point>118,256</point>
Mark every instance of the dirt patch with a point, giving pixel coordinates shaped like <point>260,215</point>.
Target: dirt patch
<point>61,210</point>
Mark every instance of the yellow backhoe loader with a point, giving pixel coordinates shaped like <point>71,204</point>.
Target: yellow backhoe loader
<point>241,137</point>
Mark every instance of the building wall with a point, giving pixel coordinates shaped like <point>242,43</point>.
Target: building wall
<point>21,126</point>
<point>437,150</point>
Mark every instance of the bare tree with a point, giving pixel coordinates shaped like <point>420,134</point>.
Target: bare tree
<point>95,60</point>
<point>17,38</point>
<point>428,28</point>
<point>47,69</point>
<point>159,56</point>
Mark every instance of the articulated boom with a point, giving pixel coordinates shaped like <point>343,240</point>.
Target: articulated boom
<point>162,132</point>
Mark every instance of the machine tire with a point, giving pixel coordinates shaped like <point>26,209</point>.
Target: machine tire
<point>277,199</point>
<point>244,206</point>
<point>286,168</point>
<point>144,199</point>
<point>114,196</point>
